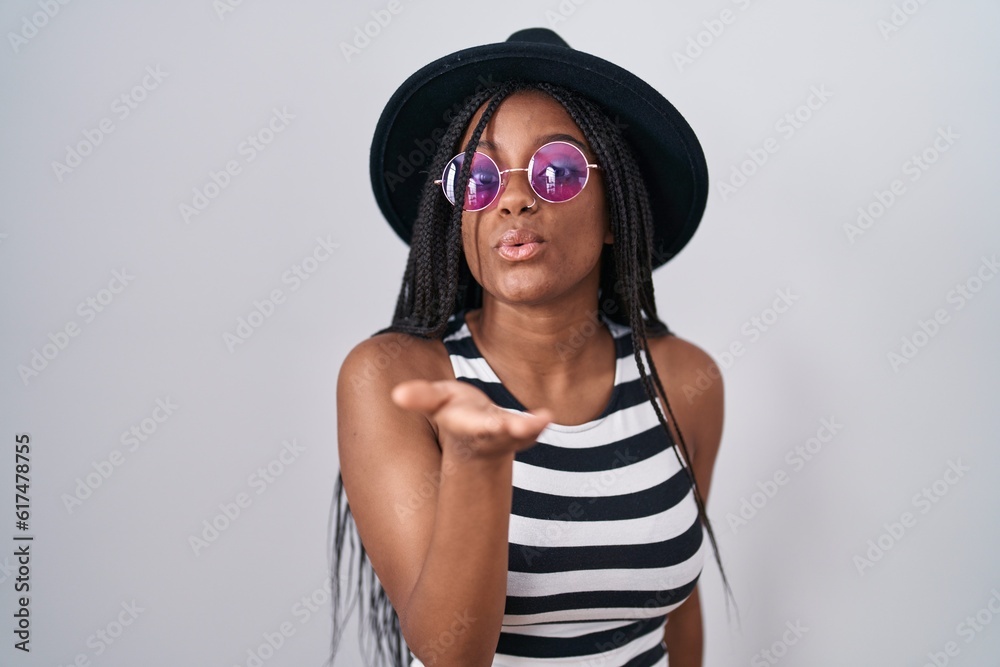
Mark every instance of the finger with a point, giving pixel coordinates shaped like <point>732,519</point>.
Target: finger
<point>529,424</point>
<point>472,422</point>
<point>420,395</point>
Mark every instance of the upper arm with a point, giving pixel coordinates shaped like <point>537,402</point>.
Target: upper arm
<point>694,386</point>
<point>389,461</point>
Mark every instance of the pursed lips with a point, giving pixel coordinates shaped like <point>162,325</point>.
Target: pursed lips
<point>518,237</point>
<point>519,244</point>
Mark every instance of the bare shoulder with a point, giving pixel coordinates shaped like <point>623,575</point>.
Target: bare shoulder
<point>388,453</point>
<point>687,361</point>
<point>378,363</point>
<point>694,386</point>
<point>393,358</point>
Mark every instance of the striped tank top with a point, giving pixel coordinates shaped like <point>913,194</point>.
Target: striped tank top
<point>604,537</point>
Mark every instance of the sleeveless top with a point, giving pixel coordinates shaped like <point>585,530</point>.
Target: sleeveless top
<point>604,537</point>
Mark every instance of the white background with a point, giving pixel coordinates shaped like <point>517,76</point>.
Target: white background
<point>162,336</point>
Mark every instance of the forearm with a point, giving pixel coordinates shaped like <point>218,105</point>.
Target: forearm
<point>684,634</point>
<point>454,613</point>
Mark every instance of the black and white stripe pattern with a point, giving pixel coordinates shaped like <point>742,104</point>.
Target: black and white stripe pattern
<point>604,536</point>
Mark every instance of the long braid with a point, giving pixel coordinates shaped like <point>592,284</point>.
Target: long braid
<point>428,295</point>
<point>454,241</point>
<point>420,310</point>
<point>629,203</point>
<point>437,282</point>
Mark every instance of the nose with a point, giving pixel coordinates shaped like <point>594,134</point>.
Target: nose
<point>516,194</point>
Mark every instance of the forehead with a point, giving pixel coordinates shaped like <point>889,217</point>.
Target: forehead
<point>521,118</point>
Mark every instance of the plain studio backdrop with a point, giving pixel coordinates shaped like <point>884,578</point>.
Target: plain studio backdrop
<point>189,247</point>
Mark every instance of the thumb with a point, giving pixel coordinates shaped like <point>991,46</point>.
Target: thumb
<point>419,395</point>
<point>531,423</point>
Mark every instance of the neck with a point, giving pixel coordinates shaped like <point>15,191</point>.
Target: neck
<point>555,345</point>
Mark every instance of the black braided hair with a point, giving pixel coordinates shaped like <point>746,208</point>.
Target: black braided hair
<point>437,283</point>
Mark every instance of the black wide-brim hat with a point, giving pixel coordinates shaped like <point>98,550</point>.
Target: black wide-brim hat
<point>669,156</point>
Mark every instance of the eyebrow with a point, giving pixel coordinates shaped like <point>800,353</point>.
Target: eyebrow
<point>557,136</point>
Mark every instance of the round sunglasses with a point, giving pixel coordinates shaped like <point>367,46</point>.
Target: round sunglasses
<point>557,172</point>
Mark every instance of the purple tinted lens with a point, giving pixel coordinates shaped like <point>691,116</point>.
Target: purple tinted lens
<point>558,171</point>
<point>484,181</point>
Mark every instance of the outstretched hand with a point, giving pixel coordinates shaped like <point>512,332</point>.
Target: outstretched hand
<point>467,418</point>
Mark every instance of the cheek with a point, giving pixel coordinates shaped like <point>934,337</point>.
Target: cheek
<point>601,203</point>
<point>600,209</point>
<point>471,245</point>
<point>594,215</point>
<point>468,234</point>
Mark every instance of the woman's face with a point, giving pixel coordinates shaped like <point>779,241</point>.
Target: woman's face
<point>572,233</point>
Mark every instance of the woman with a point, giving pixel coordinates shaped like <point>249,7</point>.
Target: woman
<point>504,451</point>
